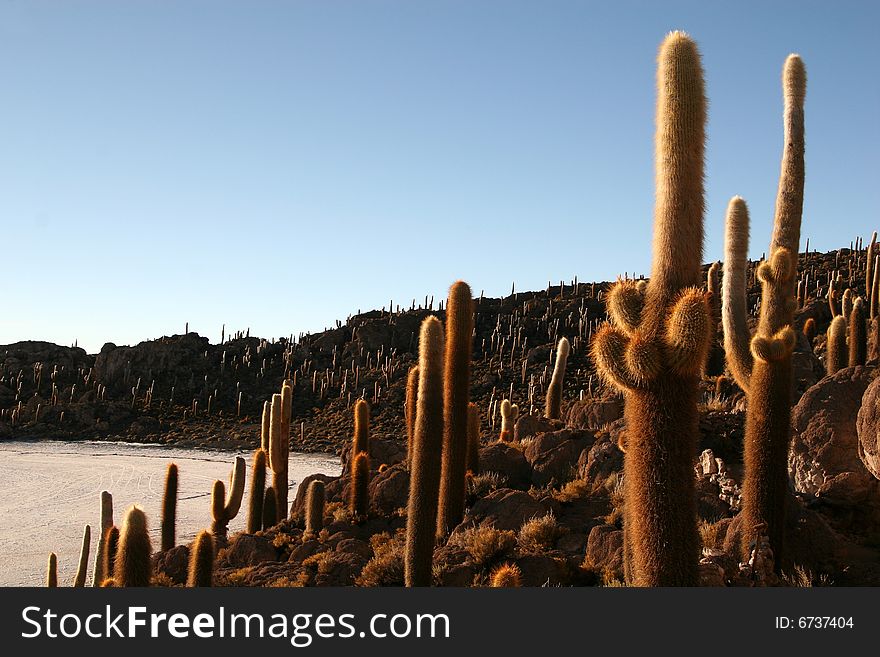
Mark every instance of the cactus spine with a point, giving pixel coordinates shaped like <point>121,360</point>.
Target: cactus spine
<point>762,365</point>
<point>360,484</point>
<point>98,572</point>
<point>133,566</point>
<point>201,561</point>
<point>223,508</point>
<point>506,576</point>
<point>258,487</point>
<point>315,507</point>
<point>52,571</point>
<point>858,334</point>
<point>456,394</point>
<point>553,409</point>
<point>83,565</point>
<point>279,453</point>
<point>657,347</point>
<point>412,391</point>
<point>424,481</point>
<point>473,442</point>
<point>169,508</point>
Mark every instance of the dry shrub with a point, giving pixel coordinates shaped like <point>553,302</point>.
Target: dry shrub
<point>574,490</point>
<point>484,483</point>
<point>386,566</point>
<point>484,543</point>
<point>162,580</point>
<point>709,534</point>
<point>234,578</point>
<point>507,575</point>
<point>538,534</point>
<point>803,578</point>
<point>302,579</point>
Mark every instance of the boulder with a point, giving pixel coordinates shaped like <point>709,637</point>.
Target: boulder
<point>389,490</point>
<point>594,412</point>
<point>529,425</point>
<point>297,509</point>
<point>868,429</point>
<point>554,455</point>
<point>174,563</point>
<point>599,461</point>
<point>505,509</point>
<point>382,450</point>
<point>605,548</point>
<point>249,550</point>
<point>824,457</point>
<point>507,461</point>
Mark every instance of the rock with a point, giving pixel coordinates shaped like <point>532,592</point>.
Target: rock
<point>355,546</point>
<point>594,412</point>
<point>605,548</point>
<point>711,574</point>
<point>708,463</point>
<point>305,550</point>
<point>507,461</point>
<point>340,568</point>
<point>542,570</point>
<point>554,455</point>
<point>504,509</point>
<point>249,550</point>
<point>868,428</point>
<point>297,508</point>
<point>529,425</point>
<point>599,461</point>
<point>389,490</point>
<point>382,450</point>
<point>823,460</point>
<point>174,563</point>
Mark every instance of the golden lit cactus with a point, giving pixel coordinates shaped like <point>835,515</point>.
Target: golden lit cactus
<point>361,439</point>
<point>315,507</point>
<point>656,346</point>
<point>412,391</point>
<point>270,508</point>
<point>224,508</point>
<point>869,267</point>
<point>424,483</point>
<point>456,395</point>
<point>111,547</point>
<point>834,296</point>
<point>265,426</point>
<point>761,364</point>
<point>473,443</point>
<point>506,575</point>
<point>809,329</point>
<point>201,561</point>
<point>553,410</point>
<point>132,563</point>
<point>83,565</point>
<point>360,485</point>
<point>858,334</point>
<point>98,572</point>
<point>846,303</point>
<point>258,487</point>
<point>169,508</point>
<point>279,454</point>
<point>509,414</point>
<point>52,571</point>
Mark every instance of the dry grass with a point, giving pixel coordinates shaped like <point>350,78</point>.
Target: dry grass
<point>709,535</point>
<point>339,512</point>
<point>162,580</point>
<point>484,543</point>
<point>538,534</point>
<point>484,483</point>
<point>614,486</point>
<point>574,490</point>
<point>320,560</point>
<point>235,577</point>
<point>803,578</point>
<point>302,579</point>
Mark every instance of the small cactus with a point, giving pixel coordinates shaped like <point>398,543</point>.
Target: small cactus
<point>201,561</point>
<point>809,329</point>
<point>169,508</point>
<point>265,427</point>
<point>553,409</point>
<point>52,571</point>
<point>81,569</point>
<point>223,508</point>
<point>133,566</point>
<point>98,572</point>
<point>258,487</point>
<point>509,414</point>
<point>111,547</point>
<point>506,575</point>
<point>315,507</point>
<point>836,356</point>
<point>858,334</point>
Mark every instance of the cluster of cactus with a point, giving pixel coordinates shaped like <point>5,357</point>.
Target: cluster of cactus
<point>761,364</point>
<point>279,447</point>
<point>509,415</point>
<point>655,349</point>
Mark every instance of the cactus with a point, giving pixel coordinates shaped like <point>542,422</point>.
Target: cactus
<point>315,507</point>
<point>424,484</point>
<point>874,293</point>
<point>224,508</point>
<point>98,572</point>
<point>52,571</point>
<point>870,264</point>
<point>836,355</point>
<point>258,487</point>
<point>360,484</point>
<point>201,561</point>
<point>456,394</point>
<point>553,409</point>
<point>265,427</point>
<point>361,440</point>
<point>657,346</point>
<point>279,454</point>
<point>506,575</point>
<point>858,334</point>
<point>846,303</point>
<point>83,566</point>
<point>132,567</point>
<point>809,329</point>
<point>111,547</point>
<point>509,413</point>
<point>270,510</point>
<point>169,508</point>
<point>761,364</point>
<point>473,439</point>
<point>412,391</point>
<point>834,296</point>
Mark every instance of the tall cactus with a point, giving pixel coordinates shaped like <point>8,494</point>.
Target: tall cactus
<point>870,255</point>
<point>361,439</point>
<point>360,485</point>
<point>52,571</point>
<point>258,487</point>
<point>279,454</point>
<point>98,573</point>
<point>553,409</point>
<point>656,349</point>
<point>858,334</point>
<point>224,508</point>
<point>315,507</point>
<point>132,563</point>
<point>424,483</point>
<point>169,508</point>
<point>83,565</point>
<point>412,391</point>
<point>456,394</point>
<point>761,364</point>
<point>201,561</point>
<point>111,547</point>
<point>265,426</point>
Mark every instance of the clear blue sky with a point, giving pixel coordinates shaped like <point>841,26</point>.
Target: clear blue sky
<point>279,165</point>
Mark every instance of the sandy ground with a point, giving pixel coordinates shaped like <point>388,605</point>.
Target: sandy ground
<point>51,490</point>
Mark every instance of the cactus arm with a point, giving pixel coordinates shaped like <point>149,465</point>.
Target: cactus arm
<point>80,580</point>
<point>688,332</point>
<point>734,310</point>
<point>236,489</point>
